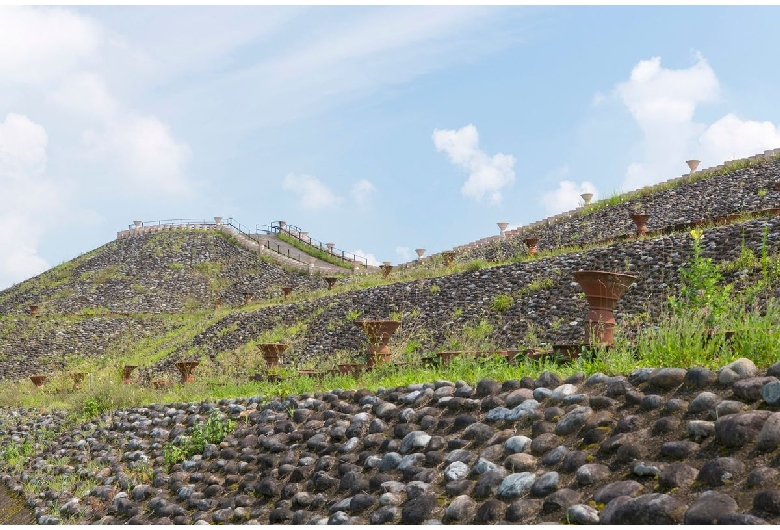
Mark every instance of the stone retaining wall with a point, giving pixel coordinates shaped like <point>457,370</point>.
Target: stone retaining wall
<point>657,446</point>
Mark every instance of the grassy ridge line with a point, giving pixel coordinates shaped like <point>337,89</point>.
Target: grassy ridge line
<point>313,251</point>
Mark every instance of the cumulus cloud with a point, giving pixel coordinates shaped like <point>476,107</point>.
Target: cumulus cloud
<point>370,258</point>
<point>731,137</point>
<point>362,192</point>
<point>567,196</point>
<point>314,195</point>
<point>41,44</point>
<point>31,201</point>
<point>663,103</point>
<point>488,175</point>
<point>140,151</point>
<point>146,155</point>
<point>404,252</point>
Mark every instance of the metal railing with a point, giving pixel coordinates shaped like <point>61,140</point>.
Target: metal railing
<point>295,232</point>
<point>246,231</point>
<point>172,222</point>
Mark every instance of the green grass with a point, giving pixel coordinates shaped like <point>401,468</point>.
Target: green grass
<point>314,251</point>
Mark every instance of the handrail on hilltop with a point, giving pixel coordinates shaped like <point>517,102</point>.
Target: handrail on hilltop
<point>295,232</point>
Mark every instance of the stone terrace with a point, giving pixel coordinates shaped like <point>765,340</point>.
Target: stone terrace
<point>660,446</point>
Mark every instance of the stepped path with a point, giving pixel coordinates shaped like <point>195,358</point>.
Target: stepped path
<point>278,247</point>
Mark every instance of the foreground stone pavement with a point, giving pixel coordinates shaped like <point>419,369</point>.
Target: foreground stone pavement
<point>660,446</point>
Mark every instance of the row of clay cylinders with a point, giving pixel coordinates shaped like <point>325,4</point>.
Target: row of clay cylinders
<point>186,369</point>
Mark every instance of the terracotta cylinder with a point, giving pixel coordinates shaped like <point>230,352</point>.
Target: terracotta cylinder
<point>78,379</point>
<point>247,298</point>
<point>531,243</point>
<point>126,371</point>
<point>378,333</point>
<point>186,369</point>
<point>602,290</point>
<point>640,220</point>
<point>33,310</point>
<point>449,258</point>
<point>38,380</point>
<point>386,270</point>
<point>272,351</point>
<point>287,291</point>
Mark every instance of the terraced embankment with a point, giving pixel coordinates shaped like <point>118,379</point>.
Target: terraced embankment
<point>660,446</point>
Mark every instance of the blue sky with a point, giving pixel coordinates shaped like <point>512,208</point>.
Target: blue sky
<point>381,129</point>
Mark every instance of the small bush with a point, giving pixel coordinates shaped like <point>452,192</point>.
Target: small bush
<point>502,302</point>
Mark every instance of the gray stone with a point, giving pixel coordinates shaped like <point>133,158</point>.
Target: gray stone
<point>708,507</point>
<point>483,466</point>
<point>762,477</point>
<point>699,429</point>
<point>720,471</point>
<point>411,460</point>
<point>677,475</point>
<point>596,379</point>
<point>740,369</point>
<point>767,501</point>
<point>770,393</point>
<point>456,470</point>
<point>542,393</point>
<point>415,440</point>
<point>768,438</point>
<point>562,391</point>
<point>737,430</point>
<point>653,508</point>
<point>573,420</point>
<point>545,485</point>
<point>515,485</point>
<point>641,469</point>
<point>460,509</point>
<point>390,461</point>
<point>384,515</point>
<point>517,444</point>
<point>749,389</point>
<point>582,514</point>
<point>591,474</point>
<point>726,407</point>
<point>627,488</point>
<point>555,457</point>
<point>522,510</point>
<point>667,378</point>
<point>419,509</point>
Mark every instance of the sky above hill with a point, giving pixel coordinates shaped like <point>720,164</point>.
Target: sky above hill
<point>381,129</point>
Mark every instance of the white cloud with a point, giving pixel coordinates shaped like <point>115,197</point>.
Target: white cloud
<point>663,103</point>
<point>39,44</point>
<point>314,194</point>
<point>567,196</point>
<point>148,155</point>
<point>488,175</point>
<point>362,192</point>
<point>85,94</point>
<point>404,252</point>
<point>370,258</point>
<point>730,138</point>
<point>31,202</point>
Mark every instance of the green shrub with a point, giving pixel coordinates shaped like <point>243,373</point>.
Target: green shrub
<point>502,302</point>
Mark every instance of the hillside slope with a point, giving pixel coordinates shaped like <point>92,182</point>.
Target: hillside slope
<point>163,272</point>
